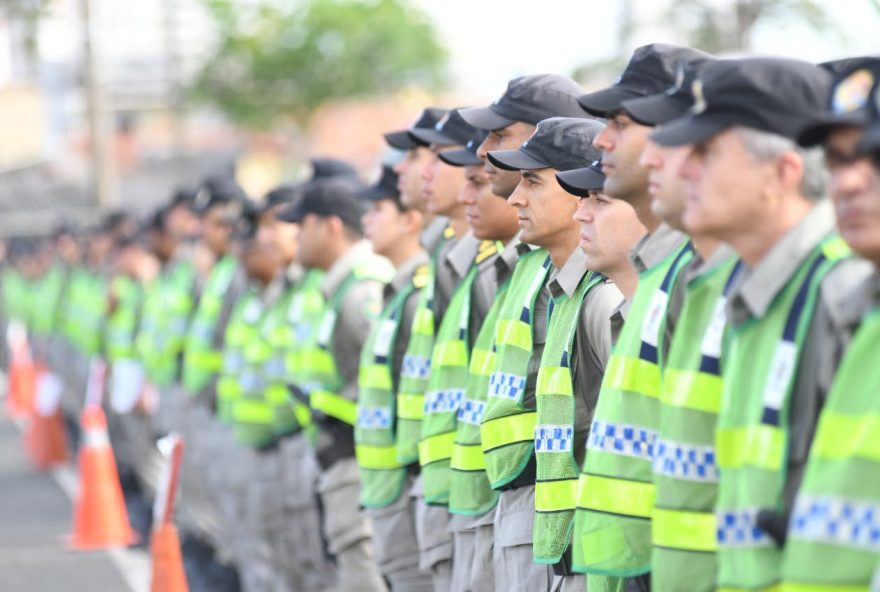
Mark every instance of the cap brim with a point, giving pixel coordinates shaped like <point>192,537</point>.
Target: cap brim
<point>817,132</point>
<point>581,181</point>
<point>485,118</point>
<point>655,109</point>
<point>459,158</point>
<point>870,140</point>
<point>428,136</point>
<point>375,193</point>
<point>292,213</point>
<point>606,101</point>
<point>400,140</point>
<point>515,160</point>
<point>690,129</point>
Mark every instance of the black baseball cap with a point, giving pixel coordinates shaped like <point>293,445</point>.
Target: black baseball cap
<point>329,197</point>
<point>529,99</point>
<point>776,95</point>
<point>844,66</point>
<point>672,102</point>
<point>561,143</point>
<point>870,140</point>
<point>283,194</point>
<point>848,101</point>
<point>217,191</point>
<point>325,168</point>
<point>402,140</point>
<point>384,188</point>
<point>451,130</point>
<point>651,70</point>
<point>466,156</point>
<point>581,182</point>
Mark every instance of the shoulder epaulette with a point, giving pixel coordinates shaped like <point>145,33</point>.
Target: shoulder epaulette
<point>421,276</point>
<point>486,249</point>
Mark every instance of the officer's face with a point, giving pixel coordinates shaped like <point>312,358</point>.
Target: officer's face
<point>383,226</point>
<point>182,223</point>
<point>609,230</point>
<point>217,228</point>
<point>725,187</point>
<point>286,234</point>
<point>665,185</point>
<point>544,209</point>
<point>855,192</point>
<point>442,183</point>
<point>261,259</point>
<point>622,143</point>
<point>409,180</point>
<point>508,138</point>
<point>489,216</point>
<point>310,241</point>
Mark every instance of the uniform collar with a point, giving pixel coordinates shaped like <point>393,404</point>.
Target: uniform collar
<point>758,286</point>
<point>656,246</point>
<point>433,233</point>
<point>699,266</point>
<point>344,266</point>
<point>506,259</point>
<point>404,273</point>
<point>566,280</point>
<point>461,256</point>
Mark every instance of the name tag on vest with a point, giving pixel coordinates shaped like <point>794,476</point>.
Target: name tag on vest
<point>715,331</point>
<point>781,371</point>
<point>382,345</point>
<point>325,331</point>
<point>651,325</point>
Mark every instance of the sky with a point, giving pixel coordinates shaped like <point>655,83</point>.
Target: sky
<point>491,41</point>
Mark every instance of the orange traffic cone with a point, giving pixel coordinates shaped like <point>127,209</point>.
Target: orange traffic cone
<point>22,384</point>
<point>100,519</point>
<point>168,574</point>
<point>46,437</point>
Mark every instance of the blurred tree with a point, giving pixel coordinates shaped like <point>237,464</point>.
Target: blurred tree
<point>279,60</point>
<point>28,13</point>
<point>726,26</point>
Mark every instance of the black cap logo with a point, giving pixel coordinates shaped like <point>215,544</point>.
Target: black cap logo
<point>201,199</point>
<point>852,93</point>
<point>679,81</point>
<point>699,99</point>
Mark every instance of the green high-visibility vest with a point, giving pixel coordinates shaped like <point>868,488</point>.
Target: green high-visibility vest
<point>246,314</point>
<point>470,493</point>
<point>416,367</point>
<point>45,300</point>
<point>382,474</point>
<point>305,308</point>
<point>73,308</point>
<point>557,469</point>
<point>201,361</point>
<point>251,412</point>
<point>15,292</point>
<point>121,327</point>
<point>449,369</point>
<point>834,533</point>
<point>93,309</point>
<point>612,534</point>
<point>685,473</point>
<point>508,427</point>
<point>761,358</point>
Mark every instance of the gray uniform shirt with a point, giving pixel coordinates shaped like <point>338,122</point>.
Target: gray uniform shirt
<point>433,233</point>
<point>755,290</point>
<point>592,342</point>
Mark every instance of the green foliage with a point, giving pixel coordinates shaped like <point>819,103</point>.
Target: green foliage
<point>280,60</point>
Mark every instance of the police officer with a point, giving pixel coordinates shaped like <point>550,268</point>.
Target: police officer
<point>765,197</point>
<point>394,232</point>
<point>838,493</point>
<point>330,238</point>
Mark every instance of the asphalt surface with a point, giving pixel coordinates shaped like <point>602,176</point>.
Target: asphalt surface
<point>35,514</point>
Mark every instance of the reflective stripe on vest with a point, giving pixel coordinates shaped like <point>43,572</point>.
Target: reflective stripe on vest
<point>685,474</point>
<point>834,532</point>
<point>508,427</point>
<point>557,469</point>
<point>763,356</point>
<point>612,534</point>
<point>242,323</point>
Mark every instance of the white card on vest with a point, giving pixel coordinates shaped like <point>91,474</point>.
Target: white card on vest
<point>325,331</point>
<point>781,372</point>
<point>126,383</point>
<point>715,331</point>
<point>382,345</point>
<point>654,318</point>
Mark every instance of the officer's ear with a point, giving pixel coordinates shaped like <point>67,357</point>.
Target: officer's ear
<point>412,221</point>
<point>790,172</point>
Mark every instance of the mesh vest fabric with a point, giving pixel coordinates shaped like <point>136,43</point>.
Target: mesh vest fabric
<point>685,473</point>
<point>121,328</point>
<point>557,469</point>
<point>242,322</point>
<point>508,427</point>
<point>612,534</point>
<point>45,299</point>
<point>470,493</point>
<point>752,436</point>
<point>445,392</point>
<point>382,474</point>
<point>834,533</point>
<point>201,361</point>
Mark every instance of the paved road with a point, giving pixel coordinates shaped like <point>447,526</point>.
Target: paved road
<point>35,513</point>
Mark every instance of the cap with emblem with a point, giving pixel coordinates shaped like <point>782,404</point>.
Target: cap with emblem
<point>672,102</point>
<point>529,99</point>
<point>215,192</point>
<point>651,70</point>
<point>283,194</point>
<point>325,168</point>
<point>402,140</point>
<point>848,100</point>
<point>384,188</point>
<point>561,143</point>
<point>329,197</point>
<point>776,95</point>
<point>466,156</point>
<point>451,130</point>
<point>870,140</point>
<point>581,182</point>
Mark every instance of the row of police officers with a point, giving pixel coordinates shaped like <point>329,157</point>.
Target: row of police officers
<point>615,341</point>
